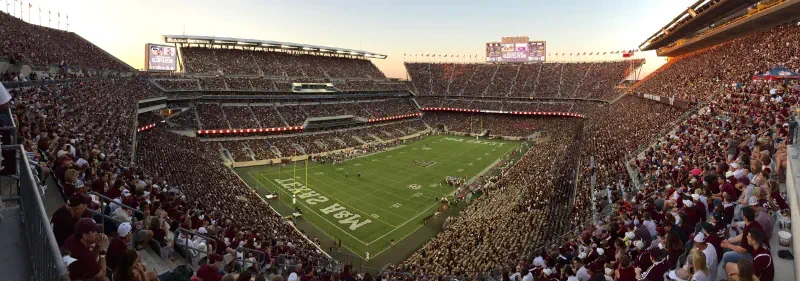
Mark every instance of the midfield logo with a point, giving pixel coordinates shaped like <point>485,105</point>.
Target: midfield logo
<point>423,163</point>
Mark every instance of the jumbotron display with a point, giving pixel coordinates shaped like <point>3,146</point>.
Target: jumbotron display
<point>160,58</point>
<point>516,49</point>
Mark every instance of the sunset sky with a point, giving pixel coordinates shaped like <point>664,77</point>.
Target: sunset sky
<point>388,27</point>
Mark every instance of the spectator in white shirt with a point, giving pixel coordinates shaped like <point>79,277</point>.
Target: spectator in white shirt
<point>581,273</point>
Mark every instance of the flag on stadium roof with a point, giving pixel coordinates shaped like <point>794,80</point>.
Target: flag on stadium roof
<point>627,54</point>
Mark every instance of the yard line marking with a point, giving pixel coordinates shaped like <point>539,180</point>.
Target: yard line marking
<point>449,158</point>
<point>312,209</point>
<point>368,193</point>
<point>355,197</point>
<point>296,228</point>
<point>420,213</point>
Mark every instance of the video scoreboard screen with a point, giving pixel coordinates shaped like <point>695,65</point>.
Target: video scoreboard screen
<point>516,49</point>
<point>160,58</point>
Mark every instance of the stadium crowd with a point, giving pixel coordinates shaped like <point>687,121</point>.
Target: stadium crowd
<point>701,76</point>
<point>718,167</point>
<point>89,150</point>
<point>222,61</point>
<point>316,142</point>
<point>494,124</point>
<point>239,116</point>
<point>527,195</point>
<point>552,80</point>
<point>261,85</point>
<point>21,44</point>
<point>471,103</point>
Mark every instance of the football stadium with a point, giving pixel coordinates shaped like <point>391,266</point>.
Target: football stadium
<point>446,151</point>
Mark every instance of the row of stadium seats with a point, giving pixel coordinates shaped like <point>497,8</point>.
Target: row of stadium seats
<point>269,85</point>
<point>495,124</point>
<point>275,64</point>
<point>503,105</point>
<point>595,80</point>
<point>243,116</point>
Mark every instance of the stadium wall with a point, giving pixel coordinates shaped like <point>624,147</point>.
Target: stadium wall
<point>793,192</point>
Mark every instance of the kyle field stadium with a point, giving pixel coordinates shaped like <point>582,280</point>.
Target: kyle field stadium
<point>233,156</point>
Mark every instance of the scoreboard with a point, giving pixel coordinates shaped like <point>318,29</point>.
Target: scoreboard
<point>516,49</point>
<point>160,57</point>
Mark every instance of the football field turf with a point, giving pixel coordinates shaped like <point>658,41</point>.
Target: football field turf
<point>396,189</point>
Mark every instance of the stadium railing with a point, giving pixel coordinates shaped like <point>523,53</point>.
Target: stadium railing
<point>283,262</point>
<point>793,189</point>
<point>191,257</point>
<point>107,202</point>
<point>42,249</point>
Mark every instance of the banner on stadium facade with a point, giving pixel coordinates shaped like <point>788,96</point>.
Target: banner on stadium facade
<point>665,100</point>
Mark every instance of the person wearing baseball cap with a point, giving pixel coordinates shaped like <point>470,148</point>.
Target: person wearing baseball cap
<point>118,244</point>
<point>596,270</point>
<point>210,270</point>
<point>5,97</point>
<point>709,251</point>
<point>65,218</point>
<point>679,274</point>
<point>87,244</point>
<point>763,217</point>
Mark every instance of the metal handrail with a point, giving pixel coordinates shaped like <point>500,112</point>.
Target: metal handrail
<point>187,231</point>
<point>111,201</point>
<point>103,207</point>
<point>44,255</point>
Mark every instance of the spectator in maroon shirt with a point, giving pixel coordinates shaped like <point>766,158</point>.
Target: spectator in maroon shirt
<point>745,250</point>
<point>308,274</point>
<point>728,187</point>
<point>130,268</point>
<point>86,245</point>
<point>119,244</point>
<point>65,218</point>
<point>116,190</point>
<point>101,185</point>
<point>210,270</point>
<point>762,265</point>
<point>656,270</point>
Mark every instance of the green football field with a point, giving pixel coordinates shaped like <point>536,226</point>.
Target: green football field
<point>395,191</point>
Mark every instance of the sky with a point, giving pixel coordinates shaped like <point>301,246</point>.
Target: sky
<point>393,28</point>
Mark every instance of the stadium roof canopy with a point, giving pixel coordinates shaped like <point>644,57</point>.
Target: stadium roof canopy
<point>194,39</point>
<point>765,16</point>
<point>699,15</point>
